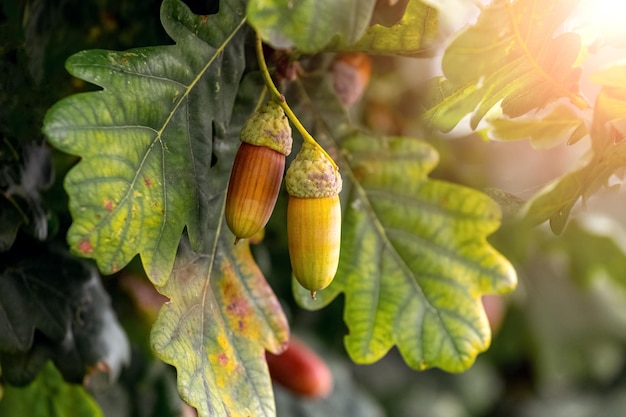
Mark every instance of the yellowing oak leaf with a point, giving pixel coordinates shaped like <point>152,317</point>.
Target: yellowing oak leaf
<point>510,57</point>
<point>561,124</point>
<point>413,35</point>
<point>606,157</point>
<point>147,139</point>
<point>415,259</point>
<point>221,318</point>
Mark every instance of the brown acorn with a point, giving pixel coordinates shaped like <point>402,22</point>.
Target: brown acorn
<point>313,218</point>
<point>257,171</point>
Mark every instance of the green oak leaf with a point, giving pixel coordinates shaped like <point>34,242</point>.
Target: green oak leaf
<point>26,173</point>
<point>606,158</point>
<point>555,201</point>
<point>508,58</point>
<point>11,218</point>
<point>48,396</point>
<point>414,34</point>
<point>575,328</point>
<point>561,124</point>
<point>221,318</point>
<point>610,106</point>
<point>54,307</point>
<point>309,25</point>
<point>594,253</point>
<point>573,309</point>
<point>445,104</point>
<point>415,259</point>
<point>147,139</point>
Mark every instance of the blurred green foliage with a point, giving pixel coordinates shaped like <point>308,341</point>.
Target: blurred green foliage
<point>559,350</point>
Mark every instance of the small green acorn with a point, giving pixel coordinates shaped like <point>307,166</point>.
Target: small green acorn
<point>313,218</point>
<point>257,171</point>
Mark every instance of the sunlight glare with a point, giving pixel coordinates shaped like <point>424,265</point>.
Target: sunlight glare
<point>605,18</point>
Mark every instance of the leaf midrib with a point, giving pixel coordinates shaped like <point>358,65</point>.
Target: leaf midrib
<point>531,59</point>
<point>159,139</point>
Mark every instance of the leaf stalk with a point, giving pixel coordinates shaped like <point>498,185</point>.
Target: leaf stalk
<point>280,98</point>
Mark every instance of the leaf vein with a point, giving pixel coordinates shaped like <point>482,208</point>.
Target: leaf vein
<point>531,58</point>
<point>124,72</point>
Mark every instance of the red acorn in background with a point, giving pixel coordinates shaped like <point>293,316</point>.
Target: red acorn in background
<point>300,370</point>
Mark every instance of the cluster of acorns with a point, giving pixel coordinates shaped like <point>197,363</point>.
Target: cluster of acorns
<point>313,184</point>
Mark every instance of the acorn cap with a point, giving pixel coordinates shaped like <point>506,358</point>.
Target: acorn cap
<point>268,127</point>
<point>312,175</point>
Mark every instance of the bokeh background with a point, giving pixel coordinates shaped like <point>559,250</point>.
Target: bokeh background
<point>559,340</point>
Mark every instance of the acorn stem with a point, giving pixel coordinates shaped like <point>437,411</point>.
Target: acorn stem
<point>280,99</point>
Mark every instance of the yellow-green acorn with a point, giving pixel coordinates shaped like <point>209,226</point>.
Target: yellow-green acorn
<point>258,170</point>
<point>313,218</point>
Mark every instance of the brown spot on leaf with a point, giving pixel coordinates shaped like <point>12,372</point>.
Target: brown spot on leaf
<point>108,205</point>
<point>85,246</point>
<point>237,305</point>
<point>148,182</point>
<point>222,359</point>
<point>239,310</point>
<point>204,19</point>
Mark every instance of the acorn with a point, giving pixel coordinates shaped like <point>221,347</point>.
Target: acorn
<point>313,218</point>
<point>257,171</point>
<point>351,73</point>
